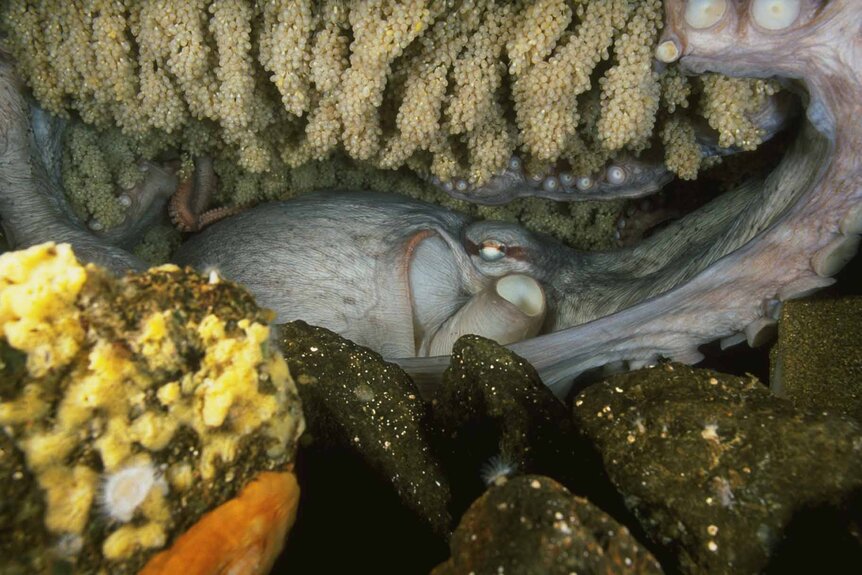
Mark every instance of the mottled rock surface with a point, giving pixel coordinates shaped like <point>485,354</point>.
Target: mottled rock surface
<point>817,363</point>
<point>714,466</point>
<point>494,413</point>
<point>129,409</point>
<point>23,537</point>
<point>356,401</point>
<point>532,525</point>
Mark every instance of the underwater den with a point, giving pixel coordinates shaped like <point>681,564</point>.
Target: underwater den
<point>440,287</point>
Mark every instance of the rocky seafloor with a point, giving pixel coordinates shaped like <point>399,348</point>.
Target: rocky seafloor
<point>750,464</point>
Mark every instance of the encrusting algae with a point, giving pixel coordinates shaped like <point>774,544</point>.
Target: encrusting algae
<point>134,406</point>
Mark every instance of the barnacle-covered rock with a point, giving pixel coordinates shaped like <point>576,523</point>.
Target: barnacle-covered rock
<point>130,408</point>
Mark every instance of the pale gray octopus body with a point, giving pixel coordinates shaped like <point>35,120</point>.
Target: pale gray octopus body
<point>407,278</point>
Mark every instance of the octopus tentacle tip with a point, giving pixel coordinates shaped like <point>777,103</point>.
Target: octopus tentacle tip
<point>703,14</point>
<point>210,217</point>
<point>179,210</point>
<point>774,15</point>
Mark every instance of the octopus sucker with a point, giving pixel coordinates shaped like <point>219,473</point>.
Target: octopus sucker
<point>405,277</point>
<point>703,14</point>
<point>628,175</point>
<point>775,15</point>
<point>624,177</point>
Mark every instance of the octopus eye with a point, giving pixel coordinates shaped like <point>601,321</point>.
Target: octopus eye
<point>775,14</point>
<point>492,250</point>
<point>701,14</point>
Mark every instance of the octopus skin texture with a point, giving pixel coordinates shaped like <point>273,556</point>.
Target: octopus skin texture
<point>407,278</point>
<point>397,275</point>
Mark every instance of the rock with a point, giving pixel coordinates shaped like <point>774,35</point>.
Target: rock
<point>532,524</point>
<point>496,417</point>
<point>714,466</point>
<point>355,401</point>
<point>130,408</point>
<point>817,363</point>
<point>23,536</point>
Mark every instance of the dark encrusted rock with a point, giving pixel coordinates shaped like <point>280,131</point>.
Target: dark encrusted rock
<point>23,537</point>
<point>532,524</point>
<point>817,363</point>
<point>130,408</point>
<point>714,466</point>
<point>354,400</point>
<point>495,416</point>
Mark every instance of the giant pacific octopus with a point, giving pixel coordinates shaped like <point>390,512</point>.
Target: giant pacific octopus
<point>407,278</point>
